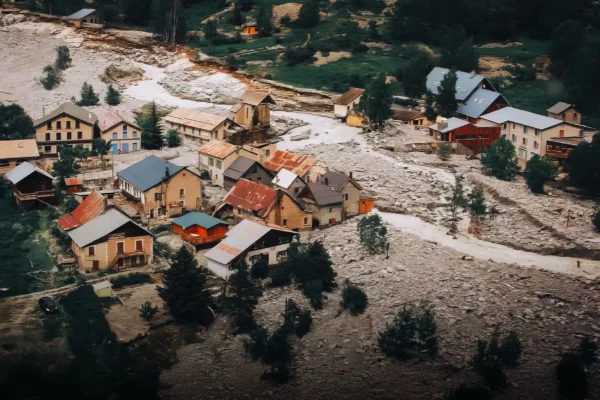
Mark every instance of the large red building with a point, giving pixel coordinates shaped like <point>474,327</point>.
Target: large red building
<point>477,137</point>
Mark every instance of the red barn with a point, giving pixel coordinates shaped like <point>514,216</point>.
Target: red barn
<point>476,137</point>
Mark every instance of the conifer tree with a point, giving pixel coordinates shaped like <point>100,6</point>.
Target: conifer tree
<point>376,102</point>
<point>308,16</point>
<point>477,204</point>
<point>245,292</point>
<point>456,200</point>
<point>88,96</point>
<point>113,97</point>
<point>500,159</point>
<point>446,98</point>
<point>173,138</point>
<point>265,20</point>
<point>236,17</point>
<point>429,110</point>
<point>184,289</point>
<point>152,137</point>
<point>539,170</point>
<point>63,58</point>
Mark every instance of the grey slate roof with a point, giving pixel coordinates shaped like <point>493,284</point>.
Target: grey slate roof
<point>453,123</point>
<point>559,108</point>
<point>70,109</point>
<point>478,102</point>
<point>197,218</point>
<point>336,180</point>
<point>99,227</point>
<point>149,172</point>
<point>84,12</point>
<point>324,196</point>
<point>510,114</point>
<point>465,85</point>
<point>23,170</point>
<point>239,167</point>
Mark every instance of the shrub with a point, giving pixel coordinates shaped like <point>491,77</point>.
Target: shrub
<point>147,311</point>
<point>492,357</point>
<point>360,48</point>
<point>173,138</point>
<point>412,330</point>
<point>444,151</point>
<point>243,298</point>
<point>204,174</point>
<point>273,350</point>
<point>304,323</point>
<point>464,392</point>
<point>63,240</point>
<point>280,275</point>
<point>260,269</point>
<point>373,233</point>
<point>500,159</point>
<point>136,278</point>
<point>354,299</point>
<point>572,379</point>
<point>298,55</point>
<point>596,220</point>
<point>539,170</point>
<point>52,79</point>
<point>314,292</point>
<point>587,351</point>
<point>63,58</point>
<point>296,320</point>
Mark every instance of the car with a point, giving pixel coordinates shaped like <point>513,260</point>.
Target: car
<point>48,305</point>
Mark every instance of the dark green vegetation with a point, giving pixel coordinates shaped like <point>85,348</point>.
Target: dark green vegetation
<point>113,97</point>
<point>244,292</point>
<point>539,170</point>
<point>88,96</point>
<point>373,233</point>
<point>500,160</point>
<point>136,278</point>
<point>494,356</point>
<point>173,138</point>
<point>149,121</point>
<point>354,298</point>
<point>15,123</point>
<point>583,166</point>
<point>571,370</point>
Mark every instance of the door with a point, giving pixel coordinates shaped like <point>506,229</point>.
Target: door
<point>95,265</point>
<point>125,148</point>
<point>115,148</point>
<point>120,248</point>
<point>135,147</point>
<point>562,133</point>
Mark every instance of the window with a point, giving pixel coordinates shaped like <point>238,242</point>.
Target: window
<point>135,134</point>
<point>47,149</point>
<point>239,211</point>
<point>523,153</point>
<point>92,251</point>
<point>525,129</point>
<point>211,161</point>
<point>346,196</point>
<point>219,164</point>
<point>124,128</point>
<point>77,124</point>
<point>114,135</point>
<point>139,245</point>
<point>79,135</point>
<point>514,138</point>
<point>524,142</point>
<point>49,125</point>
<point>330,209</point>
<point>305,220</point>
<point>282,207</point>
<point>158,196</point>
<point>514,125</point>
<point>68,135</point>
<point>68,124</point>
<point>259,179</point>
<point>504,127</point>
<point>58,136</point>
<point>124,135</point>
<point>537,132</point>
<point>135,147</point>
<point>181,192</point>
<point>574,115</point>
<point>182,204</point>
<point>267,153</point>
<point>47,137</point>
<point>536,145</point>
<point>58,124</point>
<point>284,223</point>
<point>296,190</point>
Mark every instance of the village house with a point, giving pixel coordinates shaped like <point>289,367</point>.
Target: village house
<point>251,200</point>
<point>296,163</point>
<point>14,152</point>
<point>68,125</point>
<point>559,148</point>
<point>198,228</point>
<point>326,205</point>
<point>249,241</point>
<point>259,151</point>
<point>162,188</point>
<point>530,132</point>
<point>30,183</point>
<point>348,187</point>
<point>289,182</point>
<point>565,112</point>
<point>346,102</point>
<point>74,185</point>
<point>216,157</point>
<point>476,137</point>
<point>123,135</point>
<point>475,94</point>
<point>197,125</point>
<point>410,117</point>
<point>84,16</point>
<point>245,168</point>
<point>92,206</point>
<point>111,241</point>
<point>252,109</point>
<point>250,28</point>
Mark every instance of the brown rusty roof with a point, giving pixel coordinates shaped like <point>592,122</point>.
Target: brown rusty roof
<point>24,148</point>
<point>109,118</point>
<point>250,196</point>
<point>349,96</point>
<point>195,119</point>
<point>406,115</point>
<point>255,98</point>
<point>90,208</point>
<point>73,181</point>
<point>217,148</point>
<point>300,165</point>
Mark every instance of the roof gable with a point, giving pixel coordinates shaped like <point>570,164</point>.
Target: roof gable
<point>478,102</point>
<point>465,85</point>
<point>251,196</point>
<point>22,148</point>
<point>23,170</point>
<point>197,218</point>
<point>70,109</point>
<point>453,123</point>
<point>324,195</point>
<point>522,117</point>
<point>560,108</point>
<point>300,165</point>
<point>149,172</point>
<point>254,98</point>
<point>349,96</point>
<point>337,180</point>
<point>101,226</point>
<point>90,208</point>
<point>218,148</point>
<point>285,178</point>
<point>111,118</point>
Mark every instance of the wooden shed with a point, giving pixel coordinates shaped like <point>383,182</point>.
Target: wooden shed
<point>74,184</point>
<point>198,228</point>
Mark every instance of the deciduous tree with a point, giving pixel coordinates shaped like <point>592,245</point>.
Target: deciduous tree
<point>539,170</point>
<point>15,123</point>
<point>373,233</point>
<point>500,159</point>
<point>376,102</point>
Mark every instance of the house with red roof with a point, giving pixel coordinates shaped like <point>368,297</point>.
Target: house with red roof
<point>296,163</point>
<point>93,205</point>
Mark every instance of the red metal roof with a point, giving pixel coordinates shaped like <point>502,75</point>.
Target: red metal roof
<point>73,181</point>
<point>89,209</point>
<point>300,165</point>
<point>251,196</point>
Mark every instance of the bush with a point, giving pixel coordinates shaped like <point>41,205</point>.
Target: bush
<point>147,311</point>
<point>587,351</point>
<point>136,278</point>
<point>52,79</point>
<point>373,233</point>
<point>296,320</point>
<point>464,392</point>
<point>413,329</point>
<point>539,170</point>
<point>260,269</point>
<point>298,55</point>
<point>204,174</point>
<point>500,160</point>
<point>280,274</point>
<point>444,151</point>
<point>273,350</point>
<point>314,292</point>
<point>492,357</point>
<point>360,48</point>
<point>596,220</point>
<point>173,138</point>
<point>63,58</point>
<point>354,299</point>
<point>572,379</point>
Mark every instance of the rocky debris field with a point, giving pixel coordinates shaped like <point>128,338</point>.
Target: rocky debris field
<point>340,358</point>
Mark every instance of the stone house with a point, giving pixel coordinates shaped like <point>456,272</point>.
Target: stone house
<point>161,188</point>
<point>346,102</point>
<point>326,205</point>
<point>565,112</point>
<point>15,152</point>
<point>250,241</point>
<point>91,207</point>
<point>197,125</point>
<point>252,109</point>
<point>348,187</point>
<point>259,151</point>
<point>245,168</point>
<point>216,157</point>
<point>111,240</point>
<point>123,135</point>
<point>67,125</point>
<point>289,182</point>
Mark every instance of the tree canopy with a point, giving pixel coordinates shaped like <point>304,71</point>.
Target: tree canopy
<point>446,98</point>
<point>500,159</point>
<point>14,122</point>
<point>539,170</point>
<point>583,165</point>
<point>376,102</point>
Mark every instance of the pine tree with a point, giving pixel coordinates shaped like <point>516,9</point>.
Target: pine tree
<point>500,159</point>
<point>184,289</point>
<point>152,137</point>
<point>429,110</point>
<point>413,75</point>
<point>63,58</point>
<point>245,292</point>
<point>372,233</point>
<point>457,199</point>
<point>376,102</point>
<point>236,16</point>
<point>373,31</point>
<point>173,138</point>
<point>446,97</point>
<point>265,20</point>
<point>113,97</point>
<point>538,170</point>
<point>477,204</point>
<point>88,96</point>
<point>308,17</point>
<point>354,298</point>
<point>52,79</point>
<point>147,311</point>
<point>444,151</point>
<point>273,350</point>
<point>493,356</point>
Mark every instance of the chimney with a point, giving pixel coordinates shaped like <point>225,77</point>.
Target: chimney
<point>326,181</point>
<point>443,124</point>
<point>350,174</point>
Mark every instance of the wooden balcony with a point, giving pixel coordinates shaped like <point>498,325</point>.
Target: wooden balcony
<point>34,195</point>
<point>198,240</point>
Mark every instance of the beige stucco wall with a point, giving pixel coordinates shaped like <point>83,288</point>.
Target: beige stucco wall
<point>570,116</point>
<point>133,137</point>
<point>341,111</point>
<point>105,252</point>
<point>294,189</point>
<point>200,135</point>
<point>8,165</point>
<point>256,153</point>
<point>245,114</point>
<point>170,189</point>
<point>294,216</point>
<point>87,135</point>
<point>330,212</point>
<point>216,172</point>
<point>352,203</point>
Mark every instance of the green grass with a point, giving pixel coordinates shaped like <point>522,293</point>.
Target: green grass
<point>534,96</point>
<point>530,50</point>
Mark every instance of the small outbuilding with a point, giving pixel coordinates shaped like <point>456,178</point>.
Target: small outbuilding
<point>84,16</point>
<point>74,185</point>
<point>31,183</point>
<point>250,28</point>
<point>198,228</point>
<point>103,289</point>
<point>346,102</point>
